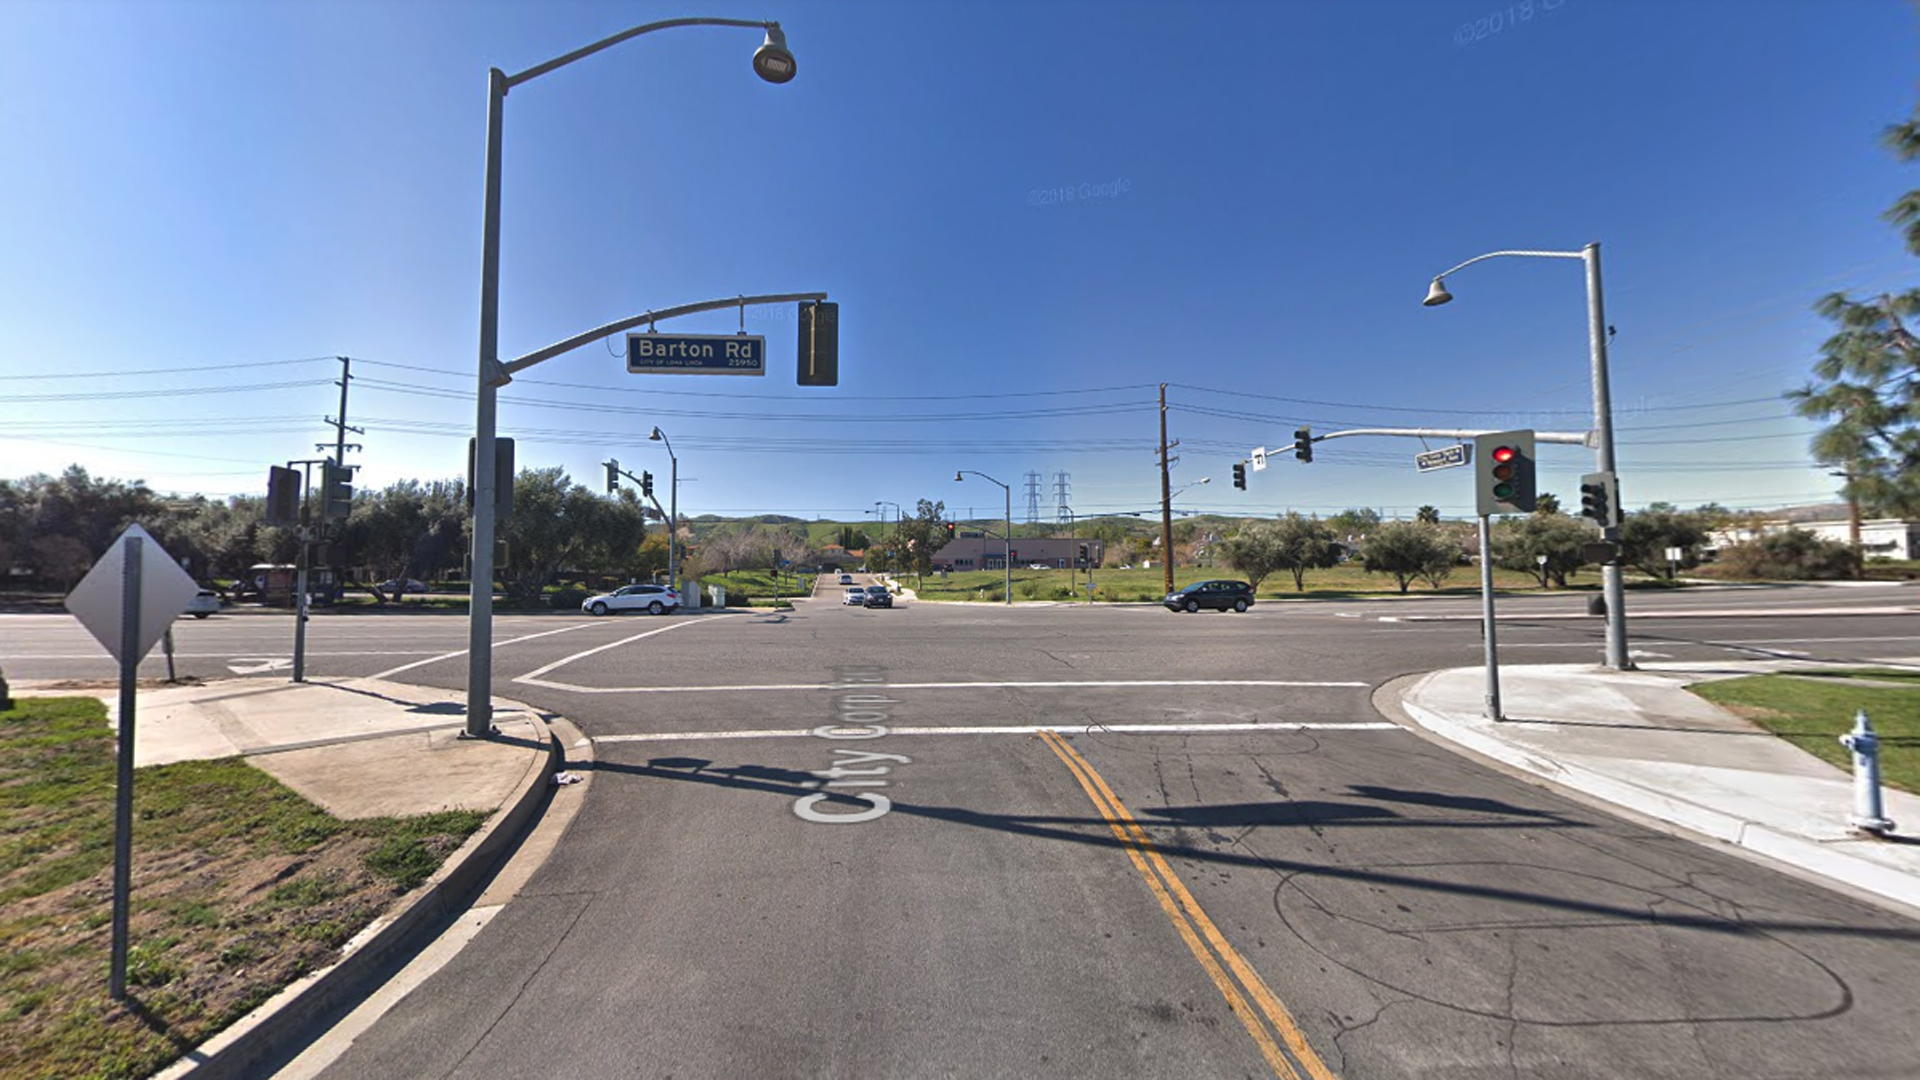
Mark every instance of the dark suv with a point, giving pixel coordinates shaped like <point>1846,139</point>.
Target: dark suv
<point>1218,595</point>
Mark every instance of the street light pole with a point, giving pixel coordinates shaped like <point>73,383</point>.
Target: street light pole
<point>1006,557</point>
<point>771,62</point>
<point>1613,586</point>
<point>673,511</point>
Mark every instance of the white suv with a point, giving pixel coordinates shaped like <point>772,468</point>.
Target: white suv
<point>652,599</point>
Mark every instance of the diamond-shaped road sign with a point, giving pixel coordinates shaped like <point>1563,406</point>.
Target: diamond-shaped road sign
<point>165,590</point>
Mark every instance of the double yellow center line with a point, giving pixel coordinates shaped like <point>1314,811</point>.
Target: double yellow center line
<point>1247,995</point>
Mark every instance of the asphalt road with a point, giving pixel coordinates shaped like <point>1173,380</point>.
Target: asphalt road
<point>813,847</point>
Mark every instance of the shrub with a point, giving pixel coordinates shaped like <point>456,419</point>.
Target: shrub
<point>1793,555</point>
<point>567,598</point>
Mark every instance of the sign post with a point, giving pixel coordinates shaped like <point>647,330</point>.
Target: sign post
<point>127,602</point>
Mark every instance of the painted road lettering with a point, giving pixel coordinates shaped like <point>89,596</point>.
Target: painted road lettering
<point>858,717</point>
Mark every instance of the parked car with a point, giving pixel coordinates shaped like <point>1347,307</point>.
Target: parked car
<point>652,599</point>
<point>402,586</point>
<point>1218,595</point>
<point>204,603</point>
<point>878,596</point>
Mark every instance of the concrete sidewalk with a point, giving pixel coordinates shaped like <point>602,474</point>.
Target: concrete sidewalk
<point>359,748</point>
<point>1640,742</point>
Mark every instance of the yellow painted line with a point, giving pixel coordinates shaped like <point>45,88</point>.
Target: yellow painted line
<point>1236,1002</point>
<point>1112,808</point>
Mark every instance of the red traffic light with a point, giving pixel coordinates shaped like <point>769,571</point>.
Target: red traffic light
<point>1504,453</point>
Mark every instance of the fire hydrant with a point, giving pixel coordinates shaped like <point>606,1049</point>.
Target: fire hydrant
<point>1868,815</point>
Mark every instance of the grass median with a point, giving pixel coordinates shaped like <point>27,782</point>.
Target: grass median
<point>1812,709</point>
<point>239,887</point>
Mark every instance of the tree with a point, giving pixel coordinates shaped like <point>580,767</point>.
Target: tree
<point>557,524</point>
<point>1408,550</point>
<point>1519,543</point>
<point>1867,381</point>
<point>1293,543</point>
<point>1351,524</point>
<point>1546,502</point>
<point>1427,515</point>
<point>915,539</point>
<point>1646,535</point>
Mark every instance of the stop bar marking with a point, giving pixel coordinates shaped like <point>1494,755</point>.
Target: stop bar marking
<point>532,679</point>
<point>1280,727</point>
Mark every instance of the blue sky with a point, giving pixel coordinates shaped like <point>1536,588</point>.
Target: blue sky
<point>205,203</point>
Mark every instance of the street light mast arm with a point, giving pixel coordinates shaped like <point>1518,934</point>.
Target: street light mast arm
<point>607,43</point>
<point>598,332</point>
<point>1502,254</point>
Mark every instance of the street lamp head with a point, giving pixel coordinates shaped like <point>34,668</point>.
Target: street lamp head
<point>956,475</point>
<point>1437,295</point>
<point>772,61</point>
<point>656,436</point>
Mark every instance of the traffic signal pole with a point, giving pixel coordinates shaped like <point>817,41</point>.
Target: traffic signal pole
<point>1488,644</point>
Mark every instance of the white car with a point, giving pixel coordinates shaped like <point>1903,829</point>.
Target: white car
<point>856,597</point>
<point>652,599</point>
<point>204,603</point>
<point>846,579</point>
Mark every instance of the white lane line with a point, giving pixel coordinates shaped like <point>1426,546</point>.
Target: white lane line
<point>463,652</point>
<point>1017,729</point>
<point>531,679</point>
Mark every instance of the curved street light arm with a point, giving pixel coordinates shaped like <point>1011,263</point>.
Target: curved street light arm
<point>662,315</point>
<point>606,43</point>
<point>1523,254</point>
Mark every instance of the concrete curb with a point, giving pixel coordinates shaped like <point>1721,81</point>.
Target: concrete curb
<point>1822,861</point>
<point>258,1038</point>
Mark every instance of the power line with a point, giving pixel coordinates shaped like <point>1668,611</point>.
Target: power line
<point>67,375</point>
<point>180,391</point>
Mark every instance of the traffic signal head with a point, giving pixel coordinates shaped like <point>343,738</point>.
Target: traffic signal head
<point>336,491</point>
<point>819,343</point>
<point>646,484</point>
<point>1303,443</point>
<point>1600,499</point>
<point>1503,473</point>
<point>949,530</point>
<point>613,477</point>
<point>1240,476</point>
<point>283,495</point>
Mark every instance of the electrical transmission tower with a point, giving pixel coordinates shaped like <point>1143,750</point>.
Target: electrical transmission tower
<point>1033,498</point>
<point>1062,490</point>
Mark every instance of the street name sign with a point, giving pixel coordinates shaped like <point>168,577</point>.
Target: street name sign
<point>1447,457</point>
<point>696,354</point>
<point>1259,458</point>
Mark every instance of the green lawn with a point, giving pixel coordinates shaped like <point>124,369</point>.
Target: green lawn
<point>1812,709</point>
<point>240,886</point>
<point>1149,585</point>
<point>755,585</point>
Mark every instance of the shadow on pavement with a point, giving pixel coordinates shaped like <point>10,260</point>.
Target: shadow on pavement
<point>1095,832</point>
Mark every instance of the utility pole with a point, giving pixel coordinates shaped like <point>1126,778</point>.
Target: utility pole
<point>1166,496</point>
<point>340,448</point>
<point>1853,525</point>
